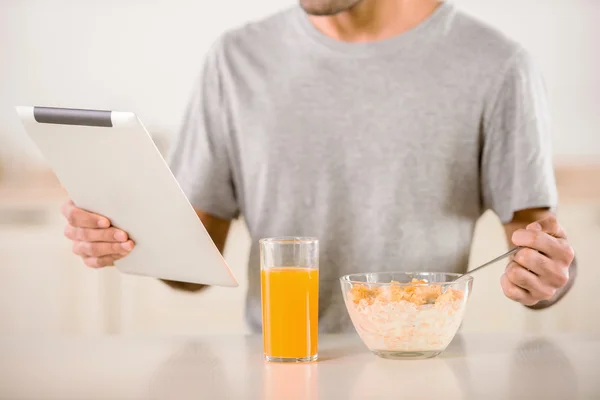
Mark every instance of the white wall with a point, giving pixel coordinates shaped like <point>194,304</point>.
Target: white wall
<point>116,54</point>
<point>143,56</point>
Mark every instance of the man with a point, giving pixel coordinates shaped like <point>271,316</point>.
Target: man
<point>383,127</point>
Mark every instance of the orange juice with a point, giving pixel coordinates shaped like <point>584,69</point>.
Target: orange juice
<point>290,306</point>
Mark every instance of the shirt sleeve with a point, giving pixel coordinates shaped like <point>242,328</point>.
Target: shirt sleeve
<point>198,156</point>
<point>516,164</point>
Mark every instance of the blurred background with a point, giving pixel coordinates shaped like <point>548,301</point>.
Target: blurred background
<point>143,56</point>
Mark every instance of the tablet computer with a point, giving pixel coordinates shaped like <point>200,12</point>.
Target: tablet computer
<point>108,164</point>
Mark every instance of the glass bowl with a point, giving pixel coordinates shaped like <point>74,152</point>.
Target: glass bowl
<point>402,315</point>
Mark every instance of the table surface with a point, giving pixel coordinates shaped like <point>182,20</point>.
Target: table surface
<point>474,366</point>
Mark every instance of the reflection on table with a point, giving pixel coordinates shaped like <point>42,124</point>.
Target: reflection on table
<point>474,366</point>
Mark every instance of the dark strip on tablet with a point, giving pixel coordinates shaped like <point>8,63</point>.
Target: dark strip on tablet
<point>72,116</point>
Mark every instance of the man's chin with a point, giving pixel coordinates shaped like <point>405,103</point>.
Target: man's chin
<point>325,10</point>
<point>318,12</point>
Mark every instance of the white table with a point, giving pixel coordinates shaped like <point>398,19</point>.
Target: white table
<point>232,367</point>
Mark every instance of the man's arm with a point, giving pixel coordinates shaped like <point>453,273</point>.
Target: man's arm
<point>534,277</point>
<point>218,230</point>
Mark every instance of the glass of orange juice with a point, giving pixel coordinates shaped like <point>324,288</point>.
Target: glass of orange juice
<point>289,270</point>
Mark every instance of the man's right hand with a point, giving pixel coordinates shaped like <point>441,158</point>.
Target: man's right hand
<point>94,239</point>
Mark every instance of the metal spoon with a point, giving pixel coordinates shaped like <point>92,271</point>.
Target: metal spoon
<point>508,253</point>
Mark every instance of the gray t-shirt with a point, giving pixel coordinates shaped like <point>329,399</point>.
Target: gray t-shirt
<point>388,152</point>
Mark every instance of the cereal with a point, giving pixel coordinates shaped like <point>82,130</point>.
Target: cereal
<point>400,317</point>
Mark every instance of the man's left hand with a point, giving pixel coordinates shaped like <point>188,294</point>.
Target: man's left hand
<point>539,270</point>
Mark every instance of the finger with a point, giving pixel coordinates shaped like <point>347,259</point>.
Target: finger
<point>95,235</point>
<point>100,249</point>
<point>82,218</point>
<point>549,225</point>
<point>528,281</point>
<point>556,249</point>
<point>537,240</point>
<point>548,271</point>
<point>515,293</point>
<point>100,262</point>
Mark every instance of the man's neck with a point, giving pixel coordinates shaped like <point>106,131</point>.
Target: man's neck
<point>373,20</point>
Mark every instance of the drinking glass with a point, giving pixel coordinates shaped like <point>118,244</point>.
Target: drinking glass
<point>290,298</point>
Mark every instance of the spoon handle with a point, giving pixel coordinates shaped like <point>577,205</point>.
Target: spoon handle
<point>508,253</point>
